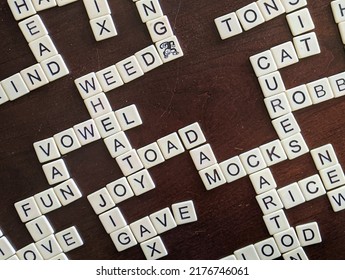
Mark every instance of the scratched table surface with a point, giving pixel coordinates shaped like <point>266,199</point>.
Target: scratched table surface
<point>213,84</point>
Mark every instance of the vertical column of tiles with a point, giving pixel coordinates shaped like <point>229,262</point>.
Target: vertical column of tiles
<point>101,21</point>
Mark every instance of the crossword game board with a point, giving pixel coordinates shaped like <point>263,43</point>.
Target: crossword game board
<point>172,129</point>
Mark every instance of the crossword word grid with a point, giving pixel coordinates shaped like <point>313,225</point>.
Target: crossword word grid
<point>111,126</point>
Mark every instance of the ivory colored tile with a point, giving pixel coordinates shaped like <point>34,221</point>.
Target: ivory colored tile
<point>129,69</point>
<point>64,2</point>
<point>253,161</point>
<point>163,220</point>
<point>3,96</point>
<point>101,201</point>
<point>170,145</point>
<point>141,182</point>
<point>337,83</point>
<point>54,67</point>
<point>276,222</point>
<point>299,97</point>
<point>273,152</point>
<point>169,49</point>
<point>149,9</point>
<point>337,199</point>
<point>69,239</point>
<point>98,105</point>
<point>87,132</point>
<point>203,156</point>
<point>21,9</point>
<point>320,91</point>
<point>120,190</point>
<point>67,192</point>
<point>232,169</point>
<point>286,126</point>
<point>295,146</point>
<point>263,63</point>
<point>97,8</point>
<point>291,195</point>
<point>47,201</point>
<point>192,136</point>
<point>291,6</point>
<point>112,220</point>
<point>271,8</point>
<point>269,202</point>
<point>109,78</point>
<point>27,209</point>
<point>154,248</point>
<point>39,228</point>
<point>159,28</point>
<point>324,156</point>
<point>332,177</point>
<point>284,54</point>
<point>184,212</point>
<point>312,187</point>
<point>263,181</point>
<point>229,258</point>
<point>250,16</point>
<point>286,240</point>
<point>228,25</point>
<point>117,144</point>
<point>123,239</point>
<point>48,247</point>
<point>56,171</point>
<point>103,27</point>
<point>14,87</point>
<point>148,58</point>
<point>60,257</point>
<point>88,85</point>
<point>128,117</point>
<point>271,84</point>
<point>212,177</point>
<point>129,162</point>
<point>338,10</point>
<point>143,229</point>
<point>13,258</point>
<point>43,5</point>
<point>150,155</point>
<point>107,125</point>
<point>46,150</point>
<point>43,48</point>
<point>267,249</point>
<point>277,105</point>
<point>6,249</point>
<point>33,28</point>
<point>308,234</point>
<point>300,22</point>
<point>296,254</point>
<point>30,253</point>
<point>34,77</point>
<point>247,253</point>
<point>306,45</point>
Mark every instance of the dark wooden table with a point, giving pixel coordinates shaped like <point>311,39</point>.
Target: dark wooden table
<point>213,84</point>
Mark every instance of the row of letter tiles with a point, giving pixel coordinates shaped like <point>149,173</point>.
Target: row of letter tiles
<point>32,78</point>
<point>129,69</point>
<point>284,242</point>
<point>52,247</point>
<point>47,201</point>
<point>285,54</point>
<point>24,8</point>
<point>258,12</point>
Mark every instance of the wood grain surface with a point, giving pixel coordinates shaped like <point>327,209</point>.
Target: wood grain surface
<point>213,84</point>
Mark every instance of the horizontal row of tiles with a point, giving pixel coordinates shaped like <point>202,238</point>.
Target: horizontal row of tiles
<point>285,54</point>
<point>262,11</point>
<point>25,8</point>
<point>288,242</point>
<point>52,247</point>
